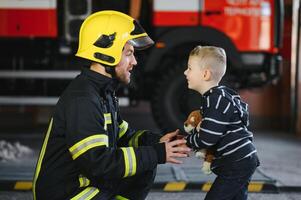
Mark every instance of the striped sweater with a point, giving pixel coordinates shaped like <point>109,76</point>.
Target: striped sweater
<point>224,127</point>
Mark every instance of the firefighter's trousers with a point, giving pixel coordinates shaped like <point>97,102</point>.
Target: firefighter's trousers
<point>133,188</point>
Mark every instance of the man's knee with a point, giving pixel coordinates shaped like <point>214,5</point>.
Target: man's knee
<point>146,178</point>
<point>137,187</point>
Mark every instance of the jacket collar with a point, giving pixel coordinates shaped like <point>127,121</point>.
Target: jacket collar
<point>208,92</point>
<point>102,82</point>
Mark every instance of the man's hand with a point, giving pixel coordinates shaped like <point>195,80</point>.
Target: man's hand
<point>174,136</point>
<point>176,149</point>
<point>169,136</point>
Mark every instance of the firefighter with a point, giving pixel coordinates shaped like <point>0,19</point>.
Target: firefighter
<point>89,151</point>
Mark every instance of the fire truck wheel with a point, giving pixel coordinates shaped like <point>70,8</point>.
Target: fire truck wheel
<point>173,101</point>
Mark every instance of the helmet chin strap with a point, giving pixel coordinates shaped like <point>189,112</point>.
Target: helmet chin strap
<point>111,70</point>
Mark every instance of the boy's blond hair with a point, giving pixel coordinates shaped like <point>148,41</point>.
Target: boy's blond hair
<point>213,58</point>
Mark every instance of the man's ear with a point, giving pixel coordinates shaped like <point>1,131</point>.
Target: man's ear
<point>207,74</point>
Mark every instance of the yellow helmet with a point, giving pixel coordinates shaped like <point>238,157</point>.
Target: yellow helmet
<point>103,35</point>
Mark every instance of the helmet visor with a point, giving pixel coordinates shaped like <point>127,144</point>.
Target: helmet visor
<point>141,42</point>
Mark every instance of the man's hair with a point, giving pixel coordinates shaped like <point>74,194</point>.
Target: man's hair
<point>213,58</point>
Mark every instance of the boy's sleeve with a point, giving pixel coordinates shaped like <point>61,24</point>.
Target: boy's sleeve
<point>134,138</point>
<point>216,118</point>
<point>87,141</point>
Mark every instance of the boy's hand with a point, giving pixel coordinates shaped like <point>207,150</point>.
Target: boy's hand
<point>175,149</point>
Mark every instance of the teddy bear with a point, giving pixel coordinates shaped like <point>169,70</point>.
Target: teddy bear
<point>193,121</point>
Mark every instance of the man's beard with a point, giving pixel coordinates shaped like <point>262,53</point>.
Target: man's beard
<point>123,79</point>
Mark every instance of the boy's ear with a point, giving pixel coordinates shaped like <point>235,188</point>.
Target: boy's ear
<point>207,75</point>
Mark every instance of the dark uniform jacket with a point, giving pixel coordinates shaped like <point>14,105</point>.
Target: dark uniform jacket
<point>88,147</point>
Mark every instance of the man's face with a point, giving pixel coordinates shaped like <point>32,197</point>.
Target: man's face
<point>126,64</point>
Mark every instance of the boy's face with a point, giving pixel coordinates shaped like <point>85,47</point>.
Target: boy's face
<point>196,75</point>
<point>193,73</point>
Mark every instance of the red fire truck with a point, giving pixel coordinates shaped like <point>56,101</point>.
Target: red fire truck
<point>38,39</point>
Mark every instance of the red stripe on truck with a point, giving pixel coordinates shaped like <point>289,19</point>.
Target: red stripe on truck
<point>163,18</point>
<point>28,23</point>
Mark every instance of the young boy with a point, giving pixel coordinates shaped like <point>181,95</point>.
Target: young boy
<point>224,125</point>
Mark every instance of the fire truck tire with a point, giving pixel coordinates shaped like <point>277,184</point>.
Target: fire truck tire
<point>172,101</point>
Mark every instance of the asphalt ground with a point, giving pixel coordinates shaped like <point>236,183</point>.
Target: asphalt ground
<point>154,195</point>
